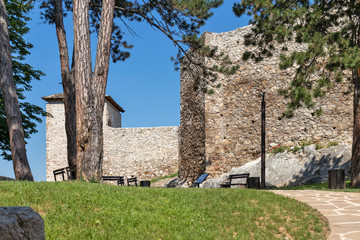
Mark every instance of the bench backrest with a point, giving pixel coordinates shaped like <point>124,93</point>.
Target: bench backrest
<point>59,171</point>
<point>112,178</point>
<point>242,175</point>
<point>132,179</point>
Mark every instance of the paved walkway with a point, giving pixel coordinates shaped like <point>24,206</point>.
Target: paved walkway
<point>342,209</point>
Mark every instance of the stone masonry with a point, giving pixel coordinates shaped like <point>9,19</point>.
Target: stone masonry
<point>219,129</point>
<point>229,120</point>
<point>147,153</point>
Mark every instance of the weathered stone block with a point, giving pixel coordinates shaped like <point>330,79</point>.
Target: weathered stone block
<point>21,223</point>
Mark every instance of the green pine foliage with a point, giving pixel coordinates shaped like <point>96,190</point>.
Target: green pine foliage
<point>328,28</point>
<point>178,20</point>
<point>23,73</point>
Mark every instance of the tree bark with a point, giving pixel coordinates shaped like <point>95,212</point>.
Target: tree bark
<point>355,158</point>
<point>90,88</point>
<point>68,86</point>
<point>12,110</point>
<point>82,74</point>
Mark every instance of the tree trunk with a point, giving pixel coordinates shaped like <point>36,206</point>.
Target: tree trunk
<point>68,86</point>
<point>90,88</point>
<point>12,110</point>
<point>355,158</point>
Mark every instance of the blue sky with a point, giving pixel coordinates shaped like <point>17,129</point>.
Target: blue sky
<point>146,85</point>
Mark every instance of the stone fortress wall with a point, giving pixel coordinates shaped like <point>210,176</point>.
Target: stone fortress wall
<point>217,131</point>
<point>192,127</point>
<point>232,114</point>
<point>147,153</point>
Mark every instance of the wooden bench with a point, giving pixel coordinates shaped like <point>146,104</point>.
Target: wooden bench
<point>132,180</point>
<point>201,179</point>
<point>119,179</point>
<point>58,172</point>
<point>62,171</point>
<point>231,177</point>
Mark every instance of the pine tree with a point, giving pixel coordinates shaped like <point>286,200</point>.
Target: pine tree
<point>15,77</point>
<point>331,31</point>
<point>23,73</point>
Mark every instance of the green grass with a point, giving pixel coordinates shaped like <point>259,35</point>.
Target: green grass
<point>318,145</point>
<point>322,186</point>
<point>79,210</point>
<point>164,177</point>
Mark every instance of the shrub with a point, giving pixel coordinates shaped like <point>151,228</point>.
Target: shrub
<point>333,143</point>
<point>295,148</point>
<point>280,148</point>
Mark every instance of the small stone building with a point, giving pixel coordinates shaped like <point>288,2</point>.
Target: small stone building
<point>147,153</point>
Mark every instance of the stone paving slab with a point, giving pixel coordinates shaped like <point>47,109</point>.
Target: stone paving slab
<point>340,208</point>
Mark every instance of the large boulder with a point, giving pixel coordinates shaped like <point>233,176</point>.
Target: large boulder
<point>21,223</point>
<point>306,166</point>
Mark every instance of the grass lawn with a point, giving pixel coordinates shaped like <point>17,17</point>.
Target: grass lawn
<point>78,210</point>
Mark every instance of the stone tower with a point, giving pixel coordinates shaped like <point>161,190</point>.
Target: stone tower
<point>220,129</point>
